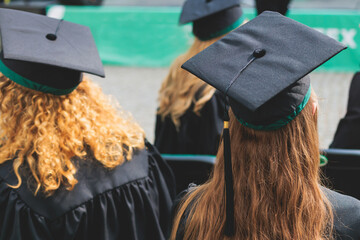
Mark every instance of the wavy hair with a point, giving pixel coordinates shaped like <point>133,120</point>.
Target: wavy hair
<point>276,187</point>
<point>43,132</point>
<point>180,90</point>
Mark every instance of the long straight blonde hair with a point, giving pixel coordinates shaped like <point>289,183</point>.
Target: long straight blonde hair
<point>43,132</point>
<point>276,187</point>
<point>181,89</point>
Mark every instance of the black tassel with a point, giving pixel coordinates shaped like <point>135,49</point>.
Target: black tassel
<point>229,221</point>
<point>229,182</point>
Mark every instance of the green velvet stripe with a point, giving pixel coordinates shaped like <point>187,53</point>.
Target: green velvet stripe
<point>236,24</point>
<point>13,76</point>
<point>282,122</point>
<point>323,160</point>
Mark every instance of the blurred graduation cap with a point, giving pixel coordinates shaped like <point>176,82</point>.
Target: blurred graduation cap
<point>46,54</point>
<point>211,18</point>
<point>262,68</point>
<point>280,6</point>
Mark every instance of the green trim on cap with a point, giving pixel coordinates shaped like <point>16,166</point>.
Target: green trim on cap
<point>282,122</point>
<point>236,24</point>
<point>13,76</point>
<point>323,160</point>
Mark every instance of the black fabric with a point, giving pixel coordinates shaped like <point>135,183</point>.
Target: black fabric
<point>132,201</point>
<point>196,9</point>
<point>348,130</point>
<point>280,6</point>
<point>291,51</point>
<point>178,200</point>
<point>204,28</point>
<point>198,134</point>
<point>346,215</point>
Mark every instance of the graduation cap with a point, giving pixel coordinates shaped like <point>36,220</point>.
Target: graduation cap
<point>262,68</point>
<point>46,54</point>
<point>211,18</point>
<point>280,6</point>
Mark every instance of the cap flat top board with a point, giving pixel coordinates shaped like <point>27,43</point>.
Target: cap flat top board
<point>291,51</point>
<point>24,38</point>
<point>196,9</point>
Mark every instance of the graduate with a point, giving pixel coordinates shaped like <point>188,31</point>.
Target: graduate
<point>189,117</point>
<point>348,131</point>
<point>265,183</point>
<point>71,165</point>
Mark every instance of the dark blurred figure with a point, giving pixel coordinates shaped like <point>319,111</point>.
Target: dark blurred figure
<point>348,130</point>
<point>280,6</point>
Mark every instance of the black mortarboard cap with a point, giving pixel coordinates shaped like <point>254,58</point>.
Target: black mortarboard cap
<point>46,54</point>
<point>262,68</point>
<point>280,6</point>
<point>211,18</point>
<point>260,59</point>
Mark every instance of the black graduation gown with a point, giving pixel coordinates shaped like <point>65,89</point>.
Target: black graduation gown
<point>346,211</point>
<point>346,215</point>
<point>348,130</point>
<point>132,201</point>
<point>197,134</point>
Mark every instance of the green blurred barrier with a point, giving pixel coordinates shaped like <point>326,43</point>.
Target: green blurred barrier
<point>151,36</point>
<point>342,25</point>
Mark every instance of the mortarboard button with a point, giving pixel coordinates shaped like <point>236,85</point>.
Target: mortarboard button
<point>258,53</point>
<point>51,37</point>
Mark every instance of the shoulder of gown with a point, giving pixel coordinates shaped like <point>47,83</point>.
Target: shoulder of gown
<point>346,211</point>
<point>131,201</point>
<point>177,203</point>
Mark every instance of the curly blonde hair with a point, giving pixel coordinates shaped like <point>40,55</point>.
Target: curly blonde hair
<point>44,132</point>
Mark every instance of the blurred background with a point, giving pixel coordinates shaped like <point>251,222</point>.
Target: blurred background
<point>325,4</point>
<point>138,40</point>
